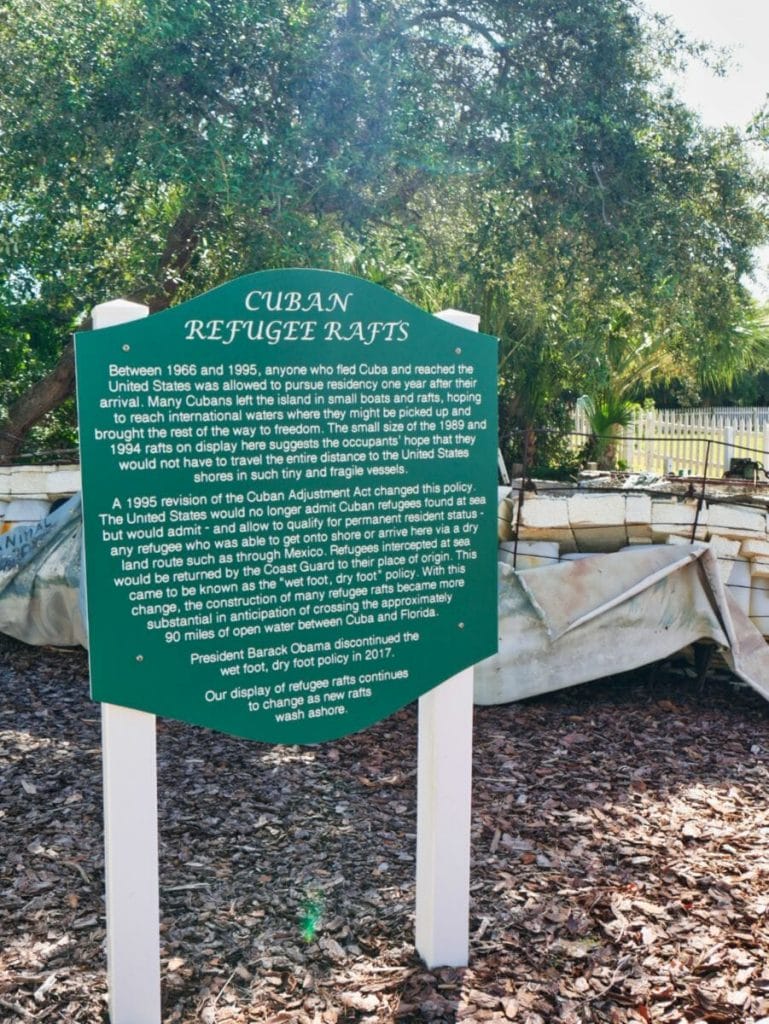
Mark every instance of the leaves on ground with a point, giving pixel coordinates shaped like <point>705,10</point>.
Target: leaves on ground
<point>620,862</point>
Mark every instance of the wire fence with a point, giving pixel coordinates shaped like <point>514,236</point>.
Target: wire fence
<point>704,457</point>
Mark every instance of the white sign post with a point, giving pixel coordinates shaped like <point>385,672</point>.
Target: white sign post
<point>444,800</point>
<point>444,795</point>
<point>129,762</point>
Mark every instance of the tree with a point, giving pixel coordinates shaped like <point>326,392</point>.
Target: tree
<point>520,159</point>
<point>646,281</point>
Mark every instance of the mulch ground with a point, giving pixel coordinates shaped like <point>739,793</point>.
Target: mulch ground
<point>620,861</point>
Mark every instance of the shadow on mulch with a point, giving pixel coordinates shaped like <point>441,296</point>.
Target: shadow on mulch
<point>620,839</point>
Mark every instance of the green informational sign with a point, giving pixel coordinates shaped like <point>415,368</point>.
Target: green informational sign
<point>289,492</point>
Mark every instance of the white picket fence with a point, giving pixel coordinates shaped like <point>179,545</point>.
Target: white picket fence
<point>686,442</point>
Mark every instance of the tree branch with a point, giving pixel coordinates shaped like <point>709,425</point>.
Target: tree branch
<point>475,26</point>
<point>38,400</point>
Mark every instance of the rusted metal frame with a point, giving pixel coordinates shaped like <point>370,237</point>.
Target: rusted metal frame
<point>701,498</point>
<point>524,473</point>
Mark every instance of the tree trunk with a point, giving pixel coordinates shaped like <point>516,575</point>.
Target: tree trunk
<point>46,394</point>
<point>50,391</point>
<point>609,447</point>
<point>33,405</point>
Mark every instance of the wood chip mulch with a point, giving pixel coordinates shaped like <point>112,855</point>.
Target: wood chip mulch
<point>620,862</point>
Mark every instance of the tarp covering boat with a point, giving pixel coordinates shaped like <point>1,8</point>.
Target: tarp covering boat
<point>40,579</point>
<point>575,621</point>
<point>559,625</point>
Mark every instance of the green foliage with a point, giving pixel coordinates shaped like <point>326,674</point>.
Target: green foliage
<point>735,371</point>
<point>30,338</point>
<point>608,417</point>
<point>523,160</point>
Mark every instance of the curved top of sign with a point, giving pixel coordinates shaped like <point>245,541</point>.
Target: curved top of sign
<point>294,295</point>
<point>289,489</point>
